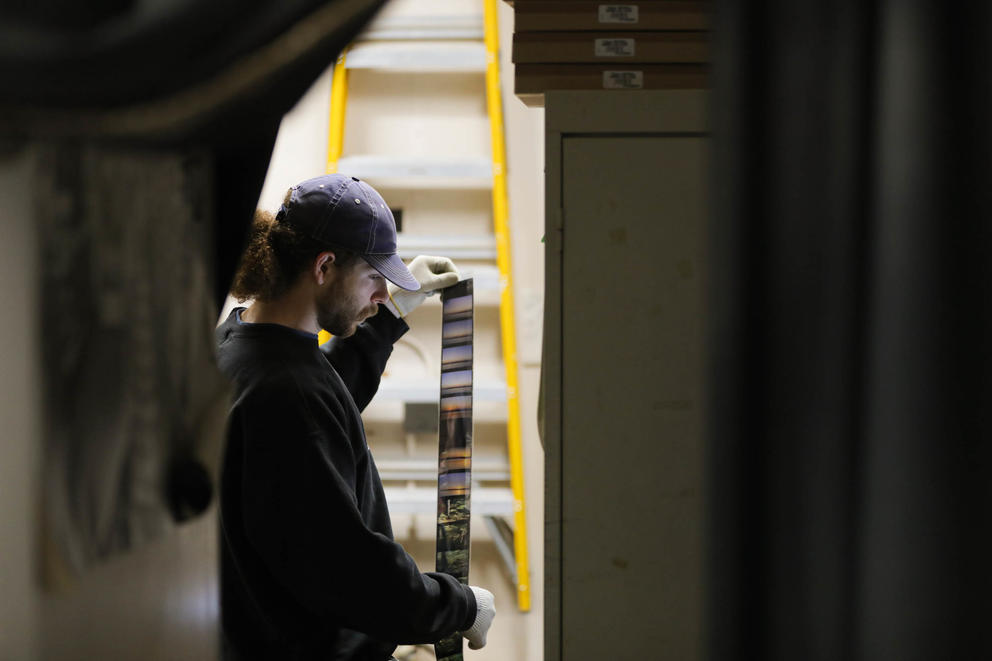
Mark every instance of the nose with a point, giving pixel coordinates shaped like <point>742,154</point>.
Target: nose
<point>380,295</point>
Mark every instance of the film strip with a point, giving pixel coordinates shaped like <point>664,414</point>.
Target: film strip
<point>454,475</point>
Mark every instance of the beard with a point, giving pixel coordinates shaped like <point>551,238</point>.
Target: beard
<point>340,315</point>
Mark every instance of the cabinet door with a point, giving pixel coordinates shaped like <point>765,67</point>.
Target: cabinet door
<point>631,518</point>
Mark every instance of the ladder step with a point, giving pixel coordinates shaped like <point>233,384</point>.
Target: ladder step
<point>405,468</point>
<point>424,57</point>
<point>480,246</point>
<point>400,27</point>
<point>487,282</point>
<point>428,391</point>
<point>486,501</point>
<point>486,278</point>
<point>420,172</point>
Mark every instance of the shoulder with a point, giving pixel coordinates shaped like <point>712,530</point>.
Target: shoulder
<point>311,392</point>
<point>277,387</point>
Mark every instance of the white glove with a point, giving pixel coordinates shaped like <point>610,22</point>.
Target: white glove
<point>433,273</point>
<point>486,611</point>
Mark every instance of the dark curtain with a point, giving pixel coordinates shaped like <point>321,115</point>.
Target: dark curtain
<point>850,386</point>
<point>181,75</point>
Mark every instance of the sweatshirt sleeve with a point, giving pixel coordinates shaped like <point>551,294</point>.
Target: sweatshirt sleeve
<point>301,516</point>
<point>361,358</point>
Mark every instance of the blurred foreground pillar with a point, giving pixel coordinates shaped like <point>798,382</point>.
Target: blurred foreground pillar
<point>850,419</point>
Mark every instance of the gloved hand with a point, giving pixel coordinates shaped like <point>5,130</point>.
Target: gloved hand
<point>433,273</point>
<point>486,611</point>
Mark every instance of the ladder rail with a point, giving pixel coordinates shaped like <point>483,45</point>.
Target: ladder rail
<point>506,307</point>
<point>339,99</point>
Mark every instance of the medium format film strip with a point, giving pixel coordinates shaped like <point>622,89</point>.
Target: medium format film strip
<point>454,475</point>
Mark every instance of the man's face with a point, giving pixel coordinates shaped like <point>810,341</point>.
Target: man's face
<point>350,298</point>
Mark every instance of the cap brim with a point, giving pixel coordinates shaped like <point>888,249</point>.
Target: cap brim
<point>394,270</point>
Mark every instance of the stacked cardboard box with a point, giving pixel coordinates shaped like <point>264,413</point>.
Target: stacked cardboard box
<point>583,44</point>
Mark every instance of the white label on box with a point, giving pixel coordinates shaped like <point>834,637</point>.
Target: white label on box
<point>618,13</point>
<point>623,80</point>
<point>614,47</point>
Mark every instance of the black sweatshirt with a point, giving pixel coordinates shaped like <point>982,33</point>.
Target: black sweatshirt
<point>309,568</point>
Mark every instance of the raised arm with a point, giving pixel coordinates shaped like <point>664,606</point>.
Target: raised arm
<point>361,358</point>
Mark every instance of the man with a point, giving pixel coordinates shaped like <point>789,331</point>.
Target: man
<point>309,568</point>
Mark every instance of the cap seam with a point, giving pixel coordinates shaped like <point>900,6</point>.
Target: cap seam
<point>375,219</point>
<point>332,208</point>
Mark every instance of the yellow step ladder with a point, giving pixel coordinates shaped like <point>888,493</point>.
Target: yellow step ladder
<point>335,142</point>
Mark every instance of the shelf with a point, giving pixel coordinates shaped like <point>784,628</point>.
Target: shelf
<point>486,501</point>
<point>469,246</point>
<point>428,390</point>
<point>420,172</point>
<point>421,57</point>
<point>428,28</point>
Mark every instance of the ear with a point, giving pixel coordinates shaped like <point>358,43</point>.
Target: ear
<point>322,267</point>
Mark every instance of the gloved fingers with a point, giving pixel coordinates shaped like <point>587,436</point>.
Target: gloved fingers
<point>433,273</point>
<point>441,281</point>
<point>440,265</point>
<point>485,612</point>
<point>423,266</point>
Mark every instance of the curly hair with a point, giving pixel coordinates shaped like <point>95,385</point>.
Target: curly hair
<point>275,256</point>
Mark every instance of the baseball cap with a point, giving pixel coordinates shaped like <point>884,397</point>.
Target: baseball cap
<point>347,212</point>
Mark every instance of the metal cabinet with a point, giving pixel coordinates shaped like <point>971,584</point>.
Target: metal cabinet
<point>622,377</point>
